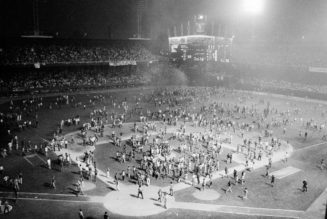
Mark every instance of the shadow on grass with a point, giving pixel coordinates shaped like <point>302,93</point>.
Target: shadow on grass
<point>44,166</point>
<point>75,172</point>
<point>134,196</point>
<point>72,191</point>
<point>47,185</point>
<point>269,184</point>
<point>114,158</point>
<point>157,204</point>
<point>111,188</point>
<point>132,181</point>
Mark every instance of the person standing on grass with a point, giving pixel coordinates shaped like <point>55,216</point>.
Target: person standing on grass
<point>116,177</point>
<point>272,180</point>
<point>171,189</point>
<point>267,171</point>
<point>53,182</point>
<point>79,189</point>
<point>81,214</point>
<point>286,157</point>
<point>6,207</point>
<point>117,184</point>
<point>245,193</point>
<point>140,192</point>
<point>236,179</point>
<point>49,163</point>
<point>108,172</point>
<point>229,187</point>
<point>226,171</point>
<point>235,175</point>
<point>203,183</point>
<point>160,195</point>
<point>242,177</point>
<point>210,180</point>
<point>129,172</point>
<point>165,200</point>
<point>95,174</point>
<point>193,179</point>
<point>16,187</point>
<point>304,186</point>
<point>123,175</point>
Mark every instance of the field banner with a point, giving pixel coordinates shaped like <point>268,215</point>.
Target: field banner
<point>317,69</point>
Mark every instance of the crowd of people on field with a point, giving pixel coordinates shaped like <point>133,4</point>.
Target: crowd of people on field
<point>190,125</point>
<point>193,156</point>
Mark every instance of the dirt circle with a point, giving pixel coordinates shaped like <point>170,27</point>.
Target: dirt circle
<point>206,195</point>
<point>125,202</point>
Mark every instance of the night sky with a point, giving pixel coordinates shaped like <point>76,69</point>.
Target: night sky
<point>282,19</point>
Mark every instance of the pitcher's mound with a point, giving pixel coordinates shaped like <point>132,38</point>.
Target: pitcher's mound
<point>207,195</point>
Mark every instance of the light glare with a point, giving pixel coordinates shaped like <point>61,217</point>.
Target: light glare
<point>253,6</point>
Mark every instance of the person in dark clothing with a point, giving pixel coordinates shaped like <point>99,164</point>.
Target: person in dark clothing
<point>272,180</point>
<point>140,192</point>
<point>305,186</point>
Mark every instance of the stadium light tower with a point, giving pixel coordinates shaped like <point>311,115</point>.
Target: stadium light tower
<point>253,7</point>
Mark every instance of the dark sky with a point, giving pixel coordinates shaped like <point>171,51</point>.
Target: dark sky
<point>281,18</point>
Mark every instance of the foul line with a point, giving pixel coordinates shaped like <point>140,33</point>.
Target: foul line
<point>41,158</point>
<point>29,161</point>
<point>311,146</point>
<point>239,210</point>
<point>35,193</point>
<point>53,200</point>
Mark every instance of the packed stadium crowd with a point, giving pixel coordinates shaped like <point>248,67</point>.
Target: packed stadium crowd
<point>70,80</point>
<point>73,54</point>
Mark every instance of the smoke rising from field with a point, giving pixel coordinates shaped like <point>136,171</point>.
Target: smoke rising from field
<point>164,74</point>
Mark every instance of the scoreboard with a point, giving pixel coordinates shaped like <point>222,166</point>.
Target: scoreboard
<point>200,48</point>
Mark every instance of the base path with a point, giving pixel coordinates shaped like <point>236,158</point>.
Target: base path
<point>317,209</point>
<point>238,210</point>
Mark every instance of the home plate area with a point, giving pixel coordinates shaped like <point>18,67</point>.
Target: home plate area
<point>279,174</point>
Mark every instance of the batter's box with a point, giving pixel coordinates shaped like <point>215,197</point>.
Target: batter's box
<point>279,174</point>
